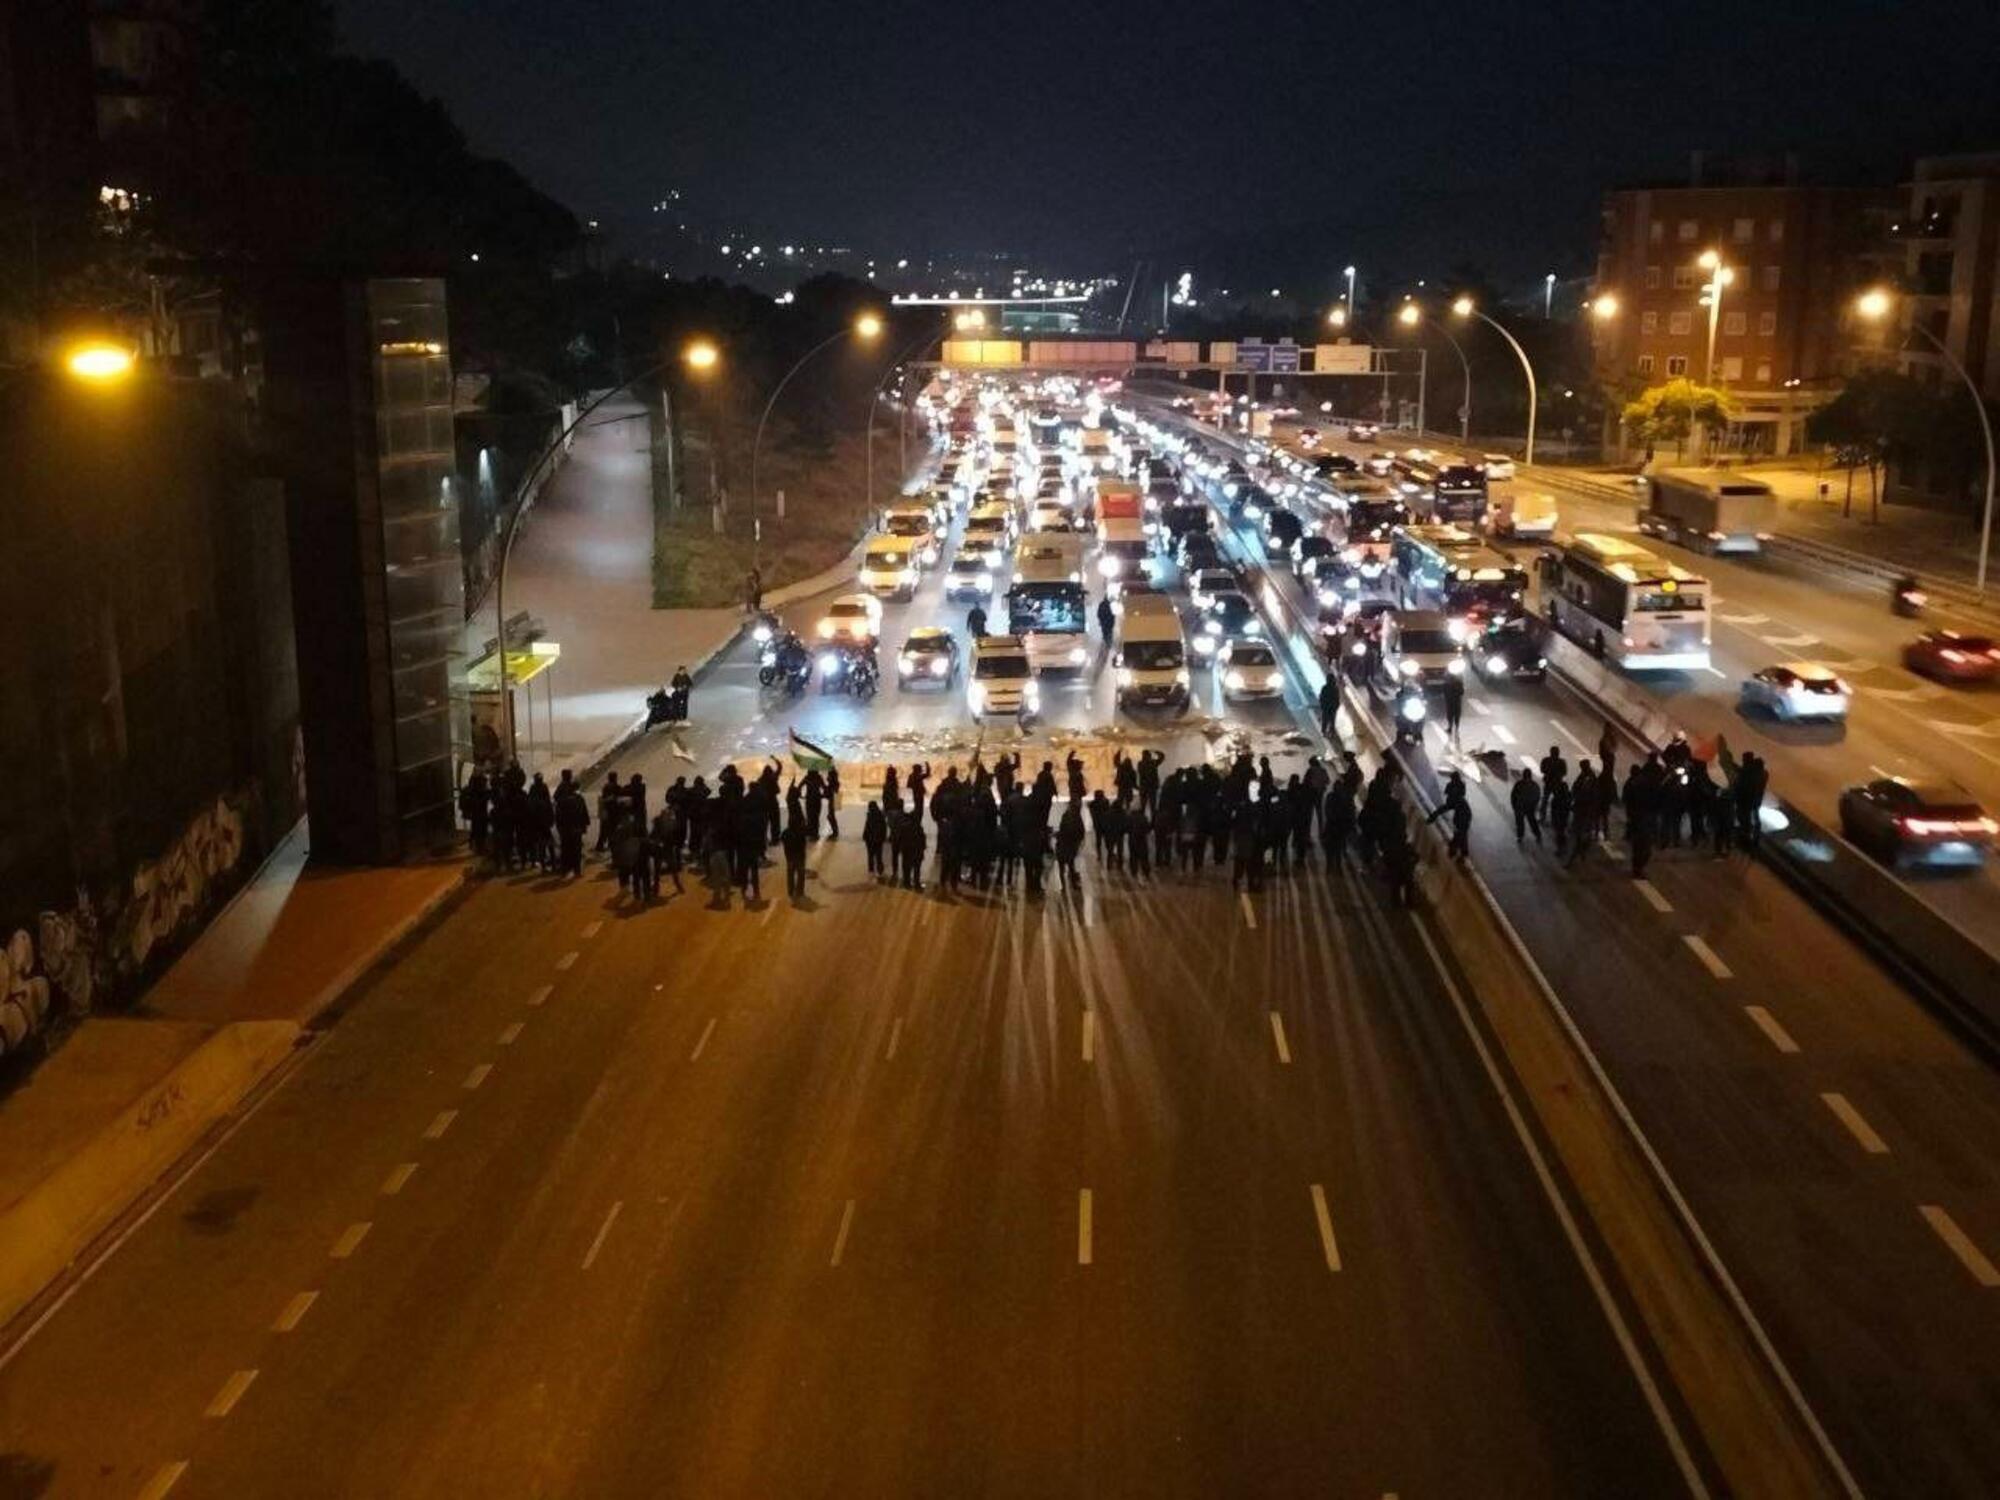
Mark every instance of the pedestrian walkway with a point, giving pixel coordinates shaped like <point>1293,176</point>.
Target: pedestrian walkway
<point>95,1125</point>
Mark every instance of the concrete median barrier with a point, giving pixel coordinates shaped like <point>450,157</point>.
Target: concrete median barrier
<point>68,1184</point>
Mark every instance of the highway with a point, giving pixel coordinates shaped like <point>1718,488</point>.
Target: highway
<point>1838,1144</point>
<point>1160,1190</point>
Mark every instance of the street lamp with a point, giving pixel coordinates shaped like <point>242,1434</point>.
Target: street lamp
<point>1719,276</point>
<point>699,356</point>
<point>866,327</point>
<point>1350,286</point>
<point>1604,307</point>
<point>100,363</point>
<point>1548,296</point>
<point>1409,317</point>
<point>975,318</point>
<point>1874,305</point>
<point>1465,308</point>
<point>1337,318</point>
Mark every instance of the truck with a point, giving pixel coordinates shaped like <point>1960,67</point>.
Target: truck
<point>1708,510</point>
<point>1121,529</point>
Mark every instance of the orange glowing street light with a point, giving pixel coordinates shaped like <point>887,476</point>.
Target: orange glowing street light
<point>701,355</point>
<point>100,362</point>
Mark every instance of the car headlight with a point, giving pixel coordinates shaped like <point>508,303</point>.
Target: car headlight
<point>1182,678</point>
<point>906,664</point>
<point>1253,627</point>
<point>1204,645</point>
<point>1456,666</point>
<point>1274,679</point>
<point>939,666</point>
<point>1076,656</point>
<point>761,634</point>
<point>1350,555</point>
<point>1233,680</point>
<point>1230,489</point>
<point>1408,668</point>
<point>1412,709</point>
<point>984,581</point>
<point>767,658</point>
<point>1455,629</point>
<point>1124,676</point>
<point>1495,665</point>
<point>829,663</point>
<point>1110,566</point>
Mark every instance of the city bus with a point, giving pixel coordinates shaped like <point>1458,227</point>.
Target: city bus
<point>1627,605</point>
<point>1450,570</point>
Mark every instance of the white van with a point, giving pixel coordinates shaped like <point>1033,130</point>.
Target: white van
<point>1521,513</point>
<point>1151,659</point>
<point>888,567</point>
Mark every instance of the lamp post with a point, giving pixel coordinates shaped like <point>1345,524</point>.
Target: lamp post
<point>1350,289</point>
<point>867,326</point>
<point>963,321</point>
<point>1410,317</point>
<point>1465,308</point>
<point>700,356</point>
<point>1874,306</point>
<point>1719,276</point>
<point>1548,296</point>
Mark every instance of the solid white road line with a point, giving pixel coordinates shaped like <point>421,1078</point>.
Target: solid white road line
<point>540,994</point>
<point>350,1240</point>
<point>1863,1133</point>
<point>770,911</point>
<point>1089,1035</point>
<point>895,1035</point>
<point>590,1255</point>
<point>1713,670</point>
<point>478,1075</point>
<point>1960,1244</point>
<point>231,1393</point>
<point>1710,959</point>
<point>398,1178</point>
<point>512,1034</point>
<point>566,960</point>
<point>1567,733</point>
<point>1278,1036</point>
<point>1505,735</point>
<point>294,1313</point>
<point>1249,911</point>
<point>702,1045</point>
<point>164,1479</point>
<point>1083,1227</point>
<point>1653,897</point>
<point>1326,1240</point>
<point>1768,1024</point>
<point>441,1124</point>
<point>840,1238</point>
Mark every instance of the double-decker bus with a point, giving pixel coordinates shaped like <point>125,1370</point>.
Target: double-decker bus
<point>1451,571</point>
<point>1625,604</point>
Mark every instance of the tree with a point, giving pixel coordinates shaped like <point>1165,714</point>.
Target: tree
<point>1671,413</point>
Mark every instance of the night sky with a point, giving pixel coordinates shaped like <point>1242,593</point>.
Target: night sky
<point>1418,134</point>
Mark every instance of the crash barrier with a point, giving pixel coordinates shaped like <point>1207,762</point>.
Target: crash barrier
<point>1940,962</point>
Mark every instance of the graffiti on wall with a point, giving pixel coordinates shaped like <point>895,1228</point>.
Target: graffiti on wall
<point>73,957</point>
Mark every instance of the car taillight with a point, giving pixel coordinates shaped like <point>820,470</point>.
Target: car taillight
<point>1950,655</point>
<point>1923,827</point>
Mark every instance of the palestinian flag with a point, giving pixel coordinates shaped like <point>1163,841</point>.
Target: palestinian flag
<point>807,756</point>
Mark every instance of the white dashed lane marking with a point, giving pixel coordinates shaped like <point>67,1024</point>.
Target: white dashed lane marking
<point>1084,1246</point>
<point>349,1241</point>
<point>603,1230</point>
<point>294,1313</point>
<point>840,1238</point>
<point>541,994</point>
<point>232,1391</point>
<point>566,960</point>
<point>1863,1133</point>
<point>1653,897</point>
<point>1960,1244</point>
<point>398,1178</point>
<point>441,1124</point>
<point>1278,1036</point>
<point>478,1075</point>
<point>1768,1024</point>
<point>702,1045</point>
<point>1710,959</point>
<point>163,1480</point>
<point>1327,1244</point>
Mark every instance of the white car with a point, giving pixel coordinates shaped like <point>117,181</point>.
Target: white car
<point>1002,680</point>
<point>1497,466</point>
<point>851,617</point>
<point>1049,515</point>
<point>1209,582</point>
<point>1248,668</point>
<point>1797,690</point>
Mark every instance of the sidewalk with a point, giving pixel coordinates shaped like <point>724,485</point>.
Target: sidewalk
<point>95,1126</point>
<point>583,567</point>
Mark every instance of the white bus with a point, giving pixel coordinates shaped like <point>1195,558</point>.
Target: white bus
<point>1627,605</point>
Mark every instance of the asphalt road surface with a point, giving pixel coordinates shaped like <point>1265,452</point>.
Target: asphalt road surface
<point>1155,1191</point>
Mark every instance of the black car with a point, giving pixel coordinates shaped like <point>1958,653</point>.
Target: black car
<point>1197,550</point>
<point>1906,823</point>
<point>1512,650</point>
<point>1310,551</point>
<point>1282,529</point>
<point>1326,465</point>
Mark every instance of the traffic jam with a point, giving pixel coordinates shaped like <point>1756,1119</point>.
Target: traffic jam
<point>1223,560</point>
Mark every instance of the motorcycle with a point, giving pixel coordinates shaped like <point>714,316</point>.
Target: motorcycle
<point>664,706</point>
<point>847,669</point>
<point>787,661</point>
<point>768,628</point>
<point>1908,600</point>
<point>1411,709</point>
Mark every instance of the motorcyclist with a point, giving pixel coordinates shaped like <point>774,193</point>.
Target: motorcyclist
<point>1906,595</point>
